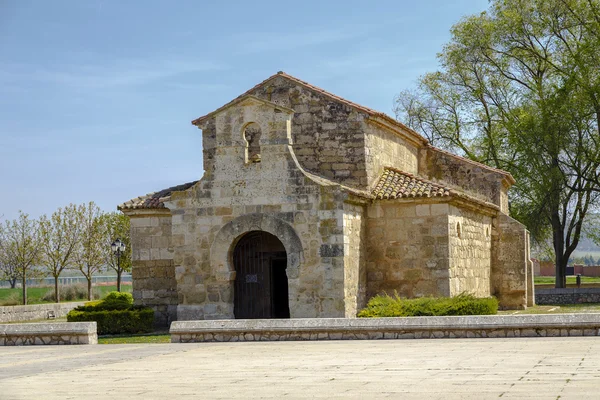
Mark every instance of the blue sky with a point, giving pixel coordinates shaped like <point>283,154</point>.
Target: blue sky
<point>96,97</point>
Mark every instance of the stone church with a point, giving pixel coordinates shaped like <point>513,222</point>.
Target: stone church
<point>311,204</point>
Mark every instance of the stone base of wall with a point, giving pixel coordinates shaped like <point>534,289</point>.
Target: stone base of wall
<point>48,334</point>
<point>386,328</point>
<point>36,311</point>
<point>567,296</point>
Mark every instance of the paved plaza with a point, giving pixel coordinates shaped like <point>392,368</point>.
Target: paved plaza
<point>535,368</point>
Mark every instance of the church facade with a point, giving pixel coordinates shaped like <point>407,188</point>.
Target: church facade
<point>311,204</point>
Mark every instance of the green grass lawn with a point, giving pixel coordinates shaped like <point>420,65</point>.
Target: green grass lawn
<point>556,309</point>
<point>131,339</point>
<point>35,294</point>
<point>549,280</point>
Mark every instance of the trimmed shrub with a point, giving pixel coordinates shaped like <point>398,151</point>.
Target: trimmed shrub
<point>112,301</point>
<point>117,301</point>
<point>394,306</point>
<point>115,314</point>
<point>111,322</point>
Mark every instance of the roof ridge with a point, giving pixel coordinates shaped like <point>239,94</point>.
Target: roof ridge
<point>310,86</point>
<point>479,164</point>
<point>153,200</point>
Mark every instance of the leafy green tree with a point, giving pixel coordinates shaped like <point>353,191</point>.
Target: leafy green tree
<point>519,89</point>
<point>117,227</point>
<point>90,252</point>
<point>60,235</point>
<point>20,248</point>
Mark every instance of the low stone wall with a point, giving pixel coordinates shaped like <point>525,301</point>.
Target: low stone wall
<point>386,328</point>
<point>567,296</point>
<point>36,311</point>
<point>52,333</point>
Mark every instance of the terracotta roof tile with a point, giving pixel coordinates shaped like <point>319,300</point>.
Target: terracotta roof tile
<point>395,184</point>
<point>154,200</point>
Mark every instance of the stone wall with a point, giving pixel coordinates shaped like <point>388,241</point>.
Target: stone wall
<point>488,326</point>
<point>470,243</point>
<point>48,334</point>
<point>407,249</point>
<point>274,195</point>
<point>355,271</point>
<point>585,270</point>
<point>479,181</point>
<point>547,268</point>
<point>388,149</point>
<point>567,296</point>
<point>153,273</point>
<point>328,136</point>
<point>36,311</point>
<point>512,269</point>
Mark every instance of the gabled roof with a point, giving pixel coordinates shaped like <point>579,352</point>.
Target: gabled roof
<point>154,200</point>
<point>395,184</point>
<point>368,111</point>
<point>240,99</point>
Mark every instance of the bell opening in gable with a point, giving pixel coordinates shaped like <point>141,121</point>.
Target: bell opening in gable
<point>252,136</point>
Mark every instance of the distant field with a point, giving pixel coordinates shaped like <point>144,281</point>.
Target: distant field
<point>571,280</point>
<point>35,294</point>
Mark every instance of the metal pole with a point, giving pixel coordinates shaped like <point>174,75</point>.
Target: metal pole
<point>118,269</point>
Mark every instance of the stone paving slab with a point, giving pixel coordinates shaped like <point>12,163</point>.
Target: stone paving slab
<point>523,368</point>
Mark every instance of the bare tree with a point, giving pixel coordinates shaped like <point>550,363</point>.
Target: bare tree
<point>60,235</point>
<point>20,247</point>
<point>91,249</point>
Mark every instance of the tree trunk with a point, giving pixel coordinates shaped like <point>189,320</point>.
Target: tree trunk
<point>56,294</point>
<point>24,289</point>
<point>559,259</point>
<point>558,241</point>
<point>89,288</point>
<point>13,282</point>
<point>561,271</point>
<point>119,280</point>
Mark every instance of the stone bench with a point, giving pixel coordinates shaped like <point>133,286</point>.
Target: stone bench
<point>386,328</point>
<point>50,333</point>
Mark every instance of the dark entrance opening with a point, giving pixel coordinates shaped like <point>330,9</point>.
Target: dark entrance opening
<point>261,284</point>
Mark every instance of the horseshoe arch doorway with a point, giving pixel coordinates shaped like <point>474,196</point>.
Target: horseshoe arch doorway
<point>261,283</point>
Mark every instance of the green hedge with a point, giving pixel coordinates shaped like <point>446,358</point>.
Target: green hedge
<point>112,301</point>
<point>115,314</point>
<point>110,322</point>
<point>394,306</point>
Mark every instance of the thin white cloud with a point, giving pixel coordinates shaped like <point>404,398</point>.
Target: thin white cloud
<point>259,42</point>
<point>97,76</point>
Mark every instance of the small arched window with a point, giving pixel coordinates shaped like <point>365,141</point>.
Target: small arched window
<point>458,230</point>
<point>252,135</point>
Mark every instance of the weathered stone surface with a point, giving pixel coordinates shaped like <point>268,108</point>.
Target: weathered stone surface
<point>488,326</point>
<point>48,333</point>
<point>36,311</point>
<point>567,296</point>
<point>299,163</point>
